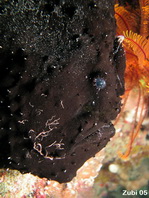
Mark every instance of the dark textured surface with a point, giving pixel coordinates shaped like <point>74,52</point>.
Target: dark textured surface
<point>52,116</point>
<point>133,3</point>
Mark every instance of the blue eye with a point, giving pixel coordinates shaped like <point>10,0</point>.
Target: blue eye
<point>99,83</point>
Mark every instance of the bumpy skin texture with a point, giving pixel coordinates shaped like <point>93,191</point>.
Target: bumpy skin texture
<point>131,2</point>
<point>53,117</point>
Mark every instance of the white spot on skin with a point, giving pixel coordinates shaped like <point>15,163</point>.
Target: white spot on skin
<point>62,104</point>
<point>31,105</point>
<point>38,111</point>
<point>93,102</point>
<point>22,121</point>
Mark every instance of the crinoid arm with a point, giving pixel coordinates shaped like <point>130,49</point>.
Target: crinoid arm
<point>125,99</point>
<point>144,27</point>
<point>139,45</point>
<point>125,19</point>
<point>140,113</point>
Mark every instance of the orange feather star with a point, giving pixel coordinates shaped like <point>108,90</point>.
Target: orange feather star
<point>133,28</point>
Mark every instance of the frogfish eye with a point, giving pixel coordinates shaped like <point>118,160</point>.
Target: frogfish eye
<point>99,83</point>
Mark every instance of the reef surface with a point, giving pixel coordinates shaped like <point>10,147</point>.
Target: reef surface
<point>60,82</point>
